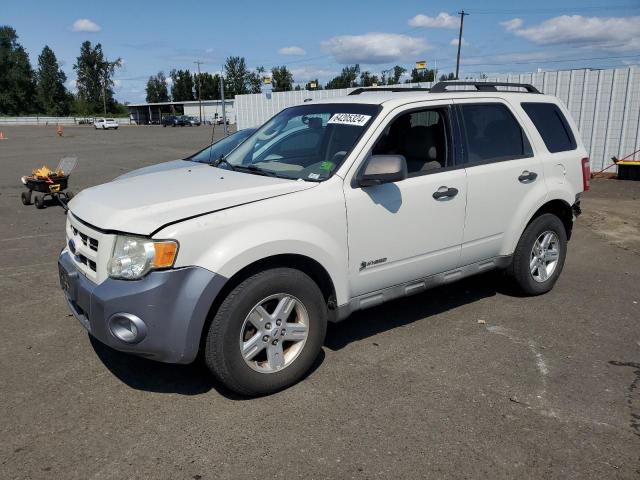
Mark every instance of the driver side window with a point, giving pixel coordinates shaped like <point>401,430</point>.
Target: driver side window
<point>422,137</point>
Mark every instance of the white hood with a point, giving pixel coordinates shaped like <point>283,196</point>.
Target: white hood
<point>142,204</point>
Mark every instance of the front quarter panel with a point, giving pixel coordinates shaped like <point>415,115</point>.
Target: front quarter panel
<point>310,223</point>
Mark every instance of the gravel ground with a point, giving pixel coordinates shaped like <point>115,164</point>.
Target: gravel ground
<point>466,381</point>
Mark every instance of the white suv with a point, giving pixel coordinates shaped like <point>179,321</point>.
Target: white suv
<point>330,207</point>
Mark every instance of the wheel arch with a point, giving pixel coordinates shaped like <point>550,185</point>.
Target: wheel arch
<point>305,264</point>
<point>561,209</point>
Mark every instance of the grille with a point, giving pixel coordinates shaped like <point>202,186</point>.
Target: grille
<point>87,241</point>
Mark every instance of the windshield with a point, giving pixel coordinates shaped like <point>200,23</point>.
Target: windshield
<point>221,147</point>
<point>308,141</point>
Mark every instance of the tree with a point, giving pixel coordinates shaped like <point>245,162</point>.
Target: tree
<point>450,76</point>
<point>418,76</point>
<point>346,79</point>
<point>282,79</point>
<point>182,85</point>
<point>210,86</point>
<point>254,80</point>
<point>53,97</point>
<point>368,80</point>
<point>157,90</point>
<point>17,83</point>
<point>95,79</point>
<point>398,71</point>
<point>236,75</point>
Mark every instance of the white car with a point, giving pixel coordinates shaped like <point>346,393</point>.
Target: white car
<point>330,207</point>
<point>105,123</point>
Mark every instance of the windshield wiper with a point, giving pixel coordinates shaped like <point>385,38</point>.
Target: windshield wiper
<point>257,170</point>
<point>221,160</point>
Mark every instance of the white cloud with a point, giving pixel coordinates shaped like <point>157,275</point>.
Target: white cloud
<point>443,20</point>
<point>604,33</point>
<point>293,50</point>
<point>86,25</point>
<point>454,42</point>
<point>373,48</point>
<point>308,72</point>
<point>512,24</point>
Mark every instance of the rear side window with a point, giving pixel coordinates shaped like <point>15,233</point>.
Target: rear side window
<point>552,125</point>
<point>492,134</point>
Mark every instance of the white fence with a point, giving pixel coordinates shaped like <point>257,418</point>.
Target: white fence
<point>604,103</point>
<point>56,120</point>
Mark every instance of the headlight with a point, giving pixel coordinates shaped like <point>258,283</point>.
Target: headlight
<point>134,257</point>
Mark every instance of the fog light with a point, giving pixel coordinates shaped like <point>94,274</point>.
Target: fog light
<point>127,327</point>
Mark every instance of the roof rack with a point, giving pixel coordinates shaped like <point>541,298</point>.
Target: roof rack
<point>360,90</point>
<point>442,87</point>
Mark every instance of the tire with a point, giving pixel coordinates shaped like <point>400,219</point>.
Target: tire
<point>230,325</point>
<point>535,277</point>
<point>39,201</point>
<point>70,195</point>
<point>26,197</point>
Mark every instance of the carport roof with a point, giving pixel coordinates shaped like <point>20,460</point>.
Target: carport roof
<point>186,102</point>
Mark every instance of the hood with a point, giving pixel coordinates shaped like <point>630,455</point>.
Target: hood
<point>159,167</point>
<point>141,204</point>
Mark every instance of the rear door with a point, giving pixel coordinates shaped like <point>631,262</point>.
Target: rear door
<point>504,177</point>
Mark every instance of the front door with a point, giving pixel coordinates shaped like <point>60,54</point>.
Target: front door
<point>407,230</point>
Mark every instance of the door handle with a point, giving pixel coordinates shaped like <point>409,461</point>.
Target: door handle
<point>445,193</point>
<point>527,177</point>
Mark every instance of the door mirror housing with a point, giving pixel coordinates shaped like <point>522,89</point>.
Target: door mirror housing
<point>381,169</point>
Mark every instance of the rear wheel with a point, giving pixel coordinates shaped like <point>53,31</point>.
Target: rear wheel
<point>540,255</point>
<point>267,332</point>
<point>26,197</point>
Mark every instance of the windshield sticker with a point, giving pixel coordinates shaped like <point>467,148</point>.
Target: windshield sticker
<point>354,119</point>
<point>326,166</point>
<point>314,176</point>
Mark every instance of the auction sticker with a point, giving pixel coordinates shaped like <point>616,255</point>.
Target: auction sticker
<point>355,119</point>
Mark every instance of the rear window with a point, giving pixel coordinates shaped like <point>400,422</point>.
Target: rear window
<point>552,125</point>
<point>492,134</point>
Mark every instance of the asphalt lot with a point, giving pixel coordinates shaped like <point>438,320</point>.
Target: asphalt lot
<point>466,381</point>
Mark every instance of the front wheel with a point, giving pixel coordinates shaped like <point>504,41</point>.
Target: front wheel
<point>39,201</point>
<point>539,257</point>
<point>26,197</point>
<point>267,332</point>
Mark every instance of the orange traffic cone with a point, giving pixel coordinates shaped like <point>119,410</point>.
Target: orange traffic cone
<point>2,137</point>
<point>59,130</point>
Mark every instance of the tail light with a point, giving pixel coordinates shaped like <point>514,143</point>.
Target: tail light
<point>586,174</point>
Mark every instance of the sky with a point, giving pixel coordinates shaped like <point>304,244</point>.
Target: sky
<point>317,39</point>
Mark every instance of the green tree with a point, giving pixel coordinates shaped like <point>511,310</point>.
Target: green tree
<point>157,90</point>
<point>347,78</point>
<point>425,75</point>
<point>236,76</point>
<point>210,85</point>
<point>368,80</point>
<point>445,77</point>
<point>397,73</point>
<point>182,85</point>
<point>282,79</point>
<point>53,97</point>
<point>17,82</point>
<point>95,79</point>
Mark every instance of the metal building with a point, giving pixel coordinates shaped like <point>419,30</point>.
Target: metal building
<point>152,113</point>
<point>604,103</point>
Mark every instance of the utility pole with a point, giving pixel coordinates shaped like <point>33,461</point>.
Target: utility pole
<point>224,112</point>
<point>199,90</point>
<point>462,13</point>
<point>104,93</point>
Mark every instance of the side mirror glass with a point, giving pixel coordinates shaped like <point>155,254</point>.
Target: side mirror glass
<point>381,169</point>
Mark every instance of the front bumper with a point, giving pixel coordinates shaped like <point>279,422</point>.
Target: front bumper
<point>173,304</point>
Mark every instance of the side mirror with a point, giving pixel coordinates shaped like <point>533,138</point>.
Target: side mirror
<point>381,169</point>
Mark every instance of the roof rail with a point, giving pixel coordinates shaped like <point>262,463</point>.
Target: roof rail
<point>442,87</point>
<point>360,90</point>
